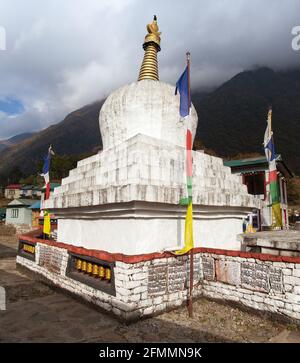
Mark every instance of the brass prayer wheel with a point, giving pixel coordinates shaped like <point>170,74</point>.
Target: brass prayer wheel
<point>28,248</point>
<point>95,270</point>
<point>78,264</point>
<point>83,266</point>
<point>89,268</point>
<point>101,272</point>
<point>107,274</point>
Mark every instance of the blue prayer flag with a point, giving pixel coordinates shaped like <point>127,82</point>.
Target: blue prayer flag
<point>46,165</point>
<point>270,147</point>
<point>182,86</point>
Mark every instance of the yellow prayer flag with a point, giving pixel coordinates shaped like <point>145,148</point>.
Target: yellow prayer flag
<point>188,232</point>
<point>277,217</point>
<point>47,223</point>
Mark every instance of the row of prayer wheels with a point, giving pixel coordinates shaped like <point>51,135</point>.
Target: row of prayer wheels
<point>29,248</point>
<point>93,269</point>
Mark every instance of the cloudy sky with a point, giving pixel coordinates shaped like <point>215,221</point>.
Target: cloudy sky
<point>63,54</point>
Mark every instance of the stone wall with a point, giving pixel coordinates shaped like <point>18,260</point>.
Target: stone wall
<point>7,230</point>
<point>261,283</point>
<point>150,284</point>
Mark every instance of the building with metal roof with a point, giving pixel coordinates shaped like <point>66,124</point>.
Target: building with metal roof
<point>255,174</point>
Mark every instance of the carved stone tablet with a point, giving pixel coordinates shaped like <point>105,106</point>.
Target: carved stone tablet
<point>228,272</point>
<point>176,276</point>
<point>50,258</point>
<point>157,279</point>
<point>275,277</point>
<point>255,276</point>
<point>208,268</point>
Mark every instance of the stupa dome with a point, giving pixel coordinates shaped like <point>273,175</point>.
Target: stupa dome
<point>145,107</point>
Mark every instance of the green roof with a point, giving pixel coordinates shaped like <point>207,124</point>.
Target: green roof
<point>249,161</point>
<point>258,164</point>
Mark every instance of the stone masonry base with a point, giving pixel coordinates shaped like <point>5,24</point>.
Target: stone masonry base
<point>147,285</point>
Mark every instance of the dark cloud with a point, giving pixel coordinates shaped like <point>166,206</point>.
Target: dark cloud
<point>62,54</point>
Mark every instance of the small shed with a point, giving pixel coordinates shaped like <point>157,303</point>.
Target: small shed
<point>18,211</point>
<point>36,210</point>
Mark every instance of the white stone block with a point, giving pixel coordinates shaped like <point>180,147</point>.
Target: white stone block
<point>288,288</point>
<point>294,298</point>
<point>158,300</point>
<point>140,290</point>
<point>296,290</point>
<point>257,298</point>
<point>296,308</point>
<point>291,280</point>
<point>287,271</point>
<point>148,310</point>
<point>140,276</point>
<point>122,291</point>
<point>134,298</point>
<point>279,264</point>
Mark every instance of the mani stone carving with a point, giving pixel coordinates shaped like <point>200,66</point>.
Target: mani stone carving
<point>255,276</point>
<point>208,268</point>
<point>50,258</point>
<point>163,279</point>
<point>157,279</point>
<point>276,280</point>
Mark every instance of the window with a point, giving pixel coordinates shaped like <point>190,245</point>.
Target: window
<point>14,213</point>
<point>255,183</point>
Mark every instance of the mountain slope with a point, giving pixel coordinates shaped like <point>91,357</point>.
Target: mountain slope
<point>232,119</point>
<point>76,134</point>
<point>4,144</point>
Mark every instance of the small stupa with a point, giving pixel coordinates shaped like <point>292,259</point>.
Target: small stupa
<point>120,207</point>
<point>125,199</point>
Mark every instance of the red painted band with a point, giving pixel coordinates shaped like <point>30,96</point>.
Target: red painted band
<point>111,257</point>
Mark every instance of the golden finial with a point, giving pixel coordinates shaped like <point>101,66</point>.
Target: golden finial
<point>149,68</point>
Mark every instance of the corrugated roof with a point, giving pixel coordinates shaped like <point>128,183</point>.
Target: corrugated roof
<point>258,164</point>
<point>14,186</point>
<point>36,205</point>
<point>24,202</point>
<point>249,161</point>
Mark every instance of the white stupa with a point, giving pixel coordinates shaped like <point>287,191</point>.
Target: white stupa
<point>125,199</point>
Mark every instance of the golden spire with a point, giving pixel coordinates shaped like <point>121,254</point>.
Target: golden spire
<point>149,68</point>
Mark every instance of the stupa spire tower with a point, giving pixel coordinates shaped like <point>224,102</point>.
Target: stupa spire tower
<point>149,68</point>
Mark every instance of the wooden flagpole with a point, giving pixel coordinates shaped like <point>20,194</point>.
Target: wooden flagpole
<point>190,301</point>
